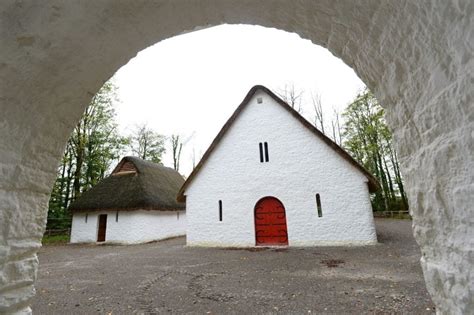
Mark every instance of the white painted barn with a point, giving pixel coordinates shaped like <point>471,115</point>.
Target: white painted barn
<point>135,204</point>
<point>271,178</point>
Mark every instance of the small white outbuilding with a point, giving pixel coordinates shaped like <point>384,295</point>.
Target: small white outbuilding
<point>271,178</point>
<point>135,204</point>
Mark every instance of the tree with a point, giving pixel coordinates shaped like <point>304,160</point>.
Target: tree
<point>319,119</point>
<point>369,141</point>
<point>177,144</point>
<point>176,147</point>
<point>147,144</point>
<point>336,128</point>
<point>318,111</point>
<point>92,147</point>
<point>291,96</point>
<point>95,142</point>
<point>393,159</point>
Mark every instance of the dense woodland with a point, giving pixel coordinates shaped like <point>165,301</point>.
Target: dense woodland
<point>96,145</point>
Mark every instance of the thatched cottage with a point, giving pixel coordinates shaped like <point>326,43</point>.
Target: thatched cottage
<point>135,204</point>
<point>271,178</point>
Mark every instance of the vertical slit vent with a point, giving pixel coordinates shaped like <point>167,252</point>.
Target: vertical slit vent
<point>116,216</point>
<point>260,145</point>
<point>266,152</point>
<point>220,210</point>
<point>318,204</point>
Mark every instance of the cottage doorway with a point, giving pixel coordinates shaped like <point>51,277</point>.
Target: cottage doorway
<point>270,223</point>
<point>102,228</point>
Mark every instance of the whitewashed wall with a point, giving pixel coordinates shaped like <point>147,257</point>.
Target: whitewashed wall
<point>416,56</point>
<point>132,226</point>
<point>300,166</point>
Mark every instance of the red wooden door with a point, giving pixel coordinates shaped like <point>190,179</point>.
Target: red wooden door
<point>102,228</point>
<point>270,222</point>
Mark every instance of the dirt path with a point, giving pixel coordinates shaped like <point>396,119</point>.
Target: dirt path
<point>166,277</point>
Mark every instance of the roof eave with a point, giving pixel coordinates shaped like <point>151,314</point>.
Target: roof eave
<point>129,209</point>
<point>372,181</point>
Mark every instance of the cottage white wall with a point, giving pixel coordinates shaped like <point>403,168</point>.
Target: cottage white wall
<point>82,231</point>
<point>132,226</point>
<point>300,166</point>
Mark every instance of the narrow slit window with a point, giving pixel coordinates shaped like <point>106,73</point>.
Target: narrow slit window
<point>220,210</point>
<point>86,216</point>
<point>177,215</point>
<point>260,145</point>
<point>116,216</point>
<point>318,204</point>
<point>266,152</point>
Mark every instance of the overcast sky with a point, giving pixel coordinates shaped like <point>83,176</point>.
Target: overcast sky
<point>191,84</point>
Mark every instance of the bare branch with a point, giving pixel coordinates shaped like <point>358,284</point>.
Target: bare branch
<point>318,111</point>
<point>291,96</point>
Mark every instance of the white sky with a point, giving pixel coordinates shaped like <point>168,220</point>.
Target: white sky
<point>191,84</point>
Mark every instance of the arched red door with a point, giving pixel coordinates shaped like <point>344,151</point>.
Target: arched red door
<point>270,223</point>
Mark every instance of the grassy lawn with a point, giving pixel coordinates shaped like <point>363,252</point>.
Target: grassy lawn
<point>55,239</point>
<point>402,217</point>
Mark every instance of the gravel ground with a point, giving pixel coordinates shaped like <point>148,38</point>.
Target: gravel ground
<point>167,277</point>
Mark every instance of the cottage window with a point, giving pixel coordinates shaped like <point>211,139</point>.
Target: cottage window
<point>318,204</point>
<point>220,210</point>
<point>116,216</point>
<point>259,100</point>
<point>86,216</point>
<point>263,152</point>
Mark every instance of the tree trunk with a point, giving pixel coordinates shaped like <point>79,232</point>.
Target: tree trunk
<point>398,178</point>
<point>62,180</point>
<point>90,166</point>
<point>389,177</point>
<point>384,181</point>
<point>80,155</point>
<point>67,196</point>
<point>77,175</point>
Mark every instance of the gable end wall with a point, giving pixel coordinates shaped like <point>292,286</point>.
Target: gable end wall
<point>300,166</point>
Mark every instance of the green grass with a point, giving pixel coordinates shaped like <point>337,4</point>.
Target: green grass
<point>402,217</point>
<point>55,239</point>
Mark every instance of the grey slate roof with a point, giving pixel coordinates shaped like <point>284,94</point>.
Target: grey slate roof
<point>151,187</point>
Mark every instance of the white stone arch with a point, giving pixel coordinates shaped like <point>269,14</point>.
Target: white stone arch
<point>417,56</point>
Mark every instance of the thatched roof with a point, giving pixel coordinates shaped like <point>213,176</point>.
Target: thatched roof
<point>372,181</point>
<point>134,184</point>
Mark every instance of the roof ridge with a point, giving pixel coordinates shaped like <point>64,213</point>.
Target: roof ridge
<point>152,187</point>
<point>372,181</point>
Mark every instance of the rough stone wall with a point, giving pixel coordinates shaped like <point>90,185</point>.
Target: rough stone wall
<point>132,227</point>
<point>300,165</point>
<point>417,56</point>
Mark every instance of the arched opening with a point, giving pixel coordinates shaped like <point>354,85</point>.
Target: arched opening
<point>55,62</point>
<point>270,223</point>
